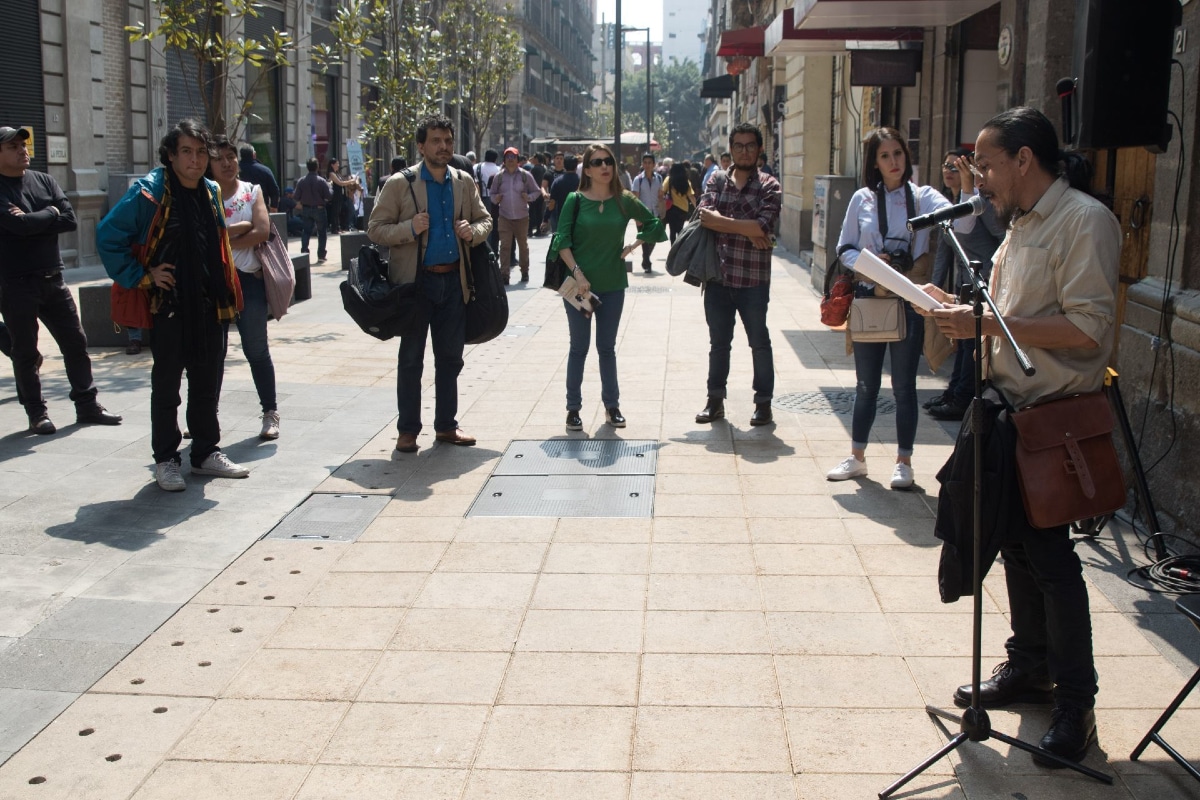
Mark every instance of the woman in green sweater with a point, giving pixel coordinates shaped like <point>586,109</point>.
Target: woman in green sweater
<point>590,238</point>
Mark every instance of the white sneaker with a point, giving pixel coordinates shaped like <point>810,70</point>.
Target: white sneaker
<point>219,464</point>
<point>850,468</point>
<point>270,426</point>
<point>168,477</point>
<point>902,476</point>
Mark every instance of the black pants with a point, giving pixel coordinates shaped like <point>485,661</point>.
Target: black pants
<point>675,220</point>
<point>1051,623</point>
<point>537,211</point>
<point>204,362</point>
<point>647,249</point>
<point>25,301</point>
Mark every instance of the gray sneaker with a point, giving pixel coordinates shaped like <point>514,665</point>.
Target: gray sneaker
<point>168,477</point>
<point>219,464</point>
<point>270,425</point>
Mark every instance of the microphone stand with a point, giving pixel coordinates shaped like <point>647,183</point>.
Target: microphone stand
<point>974,724</point>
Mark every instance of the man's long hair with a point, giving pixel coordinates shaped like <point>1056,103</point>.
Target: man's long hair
<point>185,127</point>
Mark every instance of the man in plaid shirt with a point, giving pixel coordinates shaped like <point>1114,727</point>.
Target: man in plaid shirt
<point>741,206</point>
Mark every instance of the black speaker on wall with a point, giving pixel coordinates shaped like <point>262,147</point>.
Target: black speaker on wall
<point>1123,51</point>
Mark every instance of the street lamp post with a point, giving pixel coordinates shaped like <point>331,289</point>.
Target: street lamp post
<point>649,100</point>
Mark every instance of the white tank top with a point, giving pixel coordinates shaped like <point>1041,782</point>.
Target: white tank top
<point>240,208</point>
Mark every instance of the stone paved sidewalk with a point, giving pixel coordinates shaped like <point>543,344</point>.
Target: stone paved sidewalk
<point>766,634</point>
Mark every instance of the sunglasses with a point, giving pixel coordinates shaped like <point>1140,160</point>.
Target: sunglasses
<point>949,168</point>
<point>602,162</point>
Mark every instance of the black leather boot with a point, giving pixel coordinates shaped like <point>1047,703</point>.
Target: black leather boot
<point>712,412</point>
<point>1008,685</point>
<point>762,414</point>
<point>1072,732</point>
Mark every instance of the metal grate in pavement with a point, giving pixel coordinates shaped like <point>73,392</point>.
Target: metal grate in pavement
<point>649,289</point>
<point>579,457</point>
<point>828,403</point>
<point>330,517</point>
<point>571,478</point>
<point>565,496</point>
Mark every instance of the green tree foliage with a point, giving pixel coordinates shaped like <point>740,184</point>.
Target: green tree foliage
<point>676,88</point>
<point>194,32</point>
<point>485,54</point>
<point>410,57</point>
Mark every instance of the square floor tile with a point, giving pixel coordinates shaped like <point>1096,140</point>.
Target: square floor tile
<point>828,633</point>
<point>582,631</point>
<point>847,682</point>
<point>704,593</point>
<point>585,557</point>
<point>710,739</point>
<point>367,589</point>
<point>302,675</point>
<point>174,779</point>
<point>476,590</point>
<point>716,559</point>
<point>283,731</point>
<point>706,632</point>
<point>406,735</point>
<point>571,679</point>
<point>337,628</point>
<point>458,629</point>
<point>557,738</point>
<point>850,741</point>
<point>493,557</point>
<point>677,679</point>
<point>494,784</point>
<point>390,557</point>
<point>714,786</point>
<point>833,593</point>
<point>807,559</point>
<point>591,592</point>
<point>435,677</point>
<point>327,782</point>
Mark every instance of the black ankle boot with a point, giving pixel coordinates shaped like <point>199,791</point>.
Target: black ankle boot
<point>762,414</point>
<point>1008,685</point>
<point>1072,732</point>
<point>712,412</point>
<point>574,423</point>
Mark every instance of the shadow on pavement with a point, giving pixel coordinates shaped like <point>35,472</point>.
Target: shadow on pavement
<point>131,524</point>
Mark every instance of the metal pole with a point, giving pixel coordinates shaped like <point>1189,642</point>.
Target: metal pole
<point>618,42</point>
<point>649,106</point>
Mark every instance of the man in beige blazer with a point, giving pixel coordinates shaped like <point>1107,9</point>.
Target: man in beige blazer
<point>430,216</point>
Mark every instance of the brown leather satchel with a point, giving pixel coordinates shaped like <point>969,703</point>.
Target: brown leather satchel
<point>1066,462</point>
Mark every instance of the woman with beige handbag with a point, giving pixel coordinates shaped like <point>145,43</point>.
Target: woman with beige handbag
<point>876,221</point>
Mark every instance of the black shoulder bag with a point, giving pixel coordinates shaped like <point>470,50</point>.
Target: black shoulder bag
<point>557,269</point>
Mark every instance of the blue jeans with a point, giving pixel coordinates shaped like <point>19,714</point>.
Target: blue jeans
<point>314,217</point>
<point>962,378</point>
<point>721,307</point>
<point>868,368</point>
<point>608,319</point>
<point>448,327</point>
<point>252,327</point>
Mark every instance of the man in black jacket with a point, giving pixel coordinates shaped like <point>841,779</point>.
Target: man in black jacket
<point>566,182</point>
<point>33,211</point>
<point>312,193</point>
<point>251,170</point>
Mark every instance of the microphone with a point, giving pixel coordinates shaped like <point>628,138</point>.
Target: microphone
<point>973,207</point>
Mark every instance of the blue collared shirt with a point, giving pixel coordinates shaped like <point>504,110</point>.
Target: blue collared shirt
<point>442,243</point>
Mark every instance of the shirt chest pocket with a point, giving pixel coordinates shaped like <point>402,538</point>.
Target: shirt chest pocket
<point>1029,280</point>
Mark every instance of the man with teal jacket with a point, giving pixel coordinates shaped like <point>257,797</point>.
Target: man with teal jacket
<point>167,238</point>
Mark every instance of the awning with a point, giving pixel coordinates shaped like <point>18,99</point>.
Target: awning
<point>742,42</point>
<point>724,86</point>
<point>782,38</point>
<point>813,14</point>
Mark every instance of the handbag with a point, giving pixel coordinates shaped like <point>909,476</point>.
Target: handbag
<point>487,308</point>
<point>877,319</point>
<point>694,250</point>
<point>557,269</point>
<point>130,308</point>
<point>379,308</point>
<point>1067,464</point>
<point>838,295</point>
<point>279,276</point>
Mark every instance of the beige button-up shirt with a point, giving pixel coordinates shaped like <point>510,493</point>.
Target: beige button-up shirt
<point>1060,258</point>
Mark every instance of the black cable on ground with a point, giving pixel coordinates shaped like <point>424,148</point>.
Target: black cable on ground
<point>1176,574</point>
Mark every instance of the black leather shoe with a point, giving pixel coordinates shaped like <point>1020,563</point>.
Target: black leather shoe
<point>1072,732</point>
<point>949,410</point>
<point>97,415</point>
<point>613,417</point>
<point>1007,685</point>
<point>933,401</point>
<point>574,423</point>
<point>762,414</point>
<point>42,425</point>
<point>712,412</point>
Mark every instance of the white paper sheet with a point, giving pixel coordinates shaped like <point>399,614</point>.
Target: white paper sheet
<point>870,267</point>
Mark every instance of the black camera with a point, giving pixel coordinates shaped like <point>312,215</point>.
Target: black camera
<point>901,260</point>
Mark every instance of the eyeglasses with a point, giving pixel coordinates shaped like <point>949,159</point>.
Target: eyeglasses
<point>742,147</point>
<point>602,162</point>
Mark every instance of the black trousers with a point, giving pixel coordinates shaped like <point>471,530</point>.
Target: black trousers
<point>1051,621</point>
<point>204,362</point>
<point>25,301</point>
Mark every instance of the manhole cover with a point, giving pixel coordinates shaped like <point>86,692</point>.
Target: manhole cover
<point>565,496</point>
<point>649,289</point>
<point>330,517</point>
<point>579,457</point>
<point>828,403</point>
